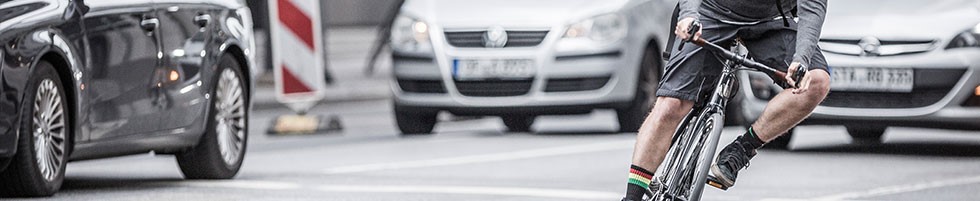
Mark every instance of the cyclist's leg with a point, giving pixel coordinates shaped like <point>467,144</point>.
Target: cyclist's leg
<point>776,48</point>
<point>774,45</point>
<point>688,71</point>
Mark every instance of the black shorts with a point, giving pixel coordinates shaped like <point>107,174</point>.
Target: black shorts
<point>692,71</point>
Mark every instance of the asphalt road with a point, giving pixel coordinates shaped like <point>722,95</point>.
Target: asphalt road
<point>569,158</point>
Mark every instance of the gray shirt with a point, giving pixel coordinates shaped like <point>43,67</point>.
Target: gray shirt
<point>811,16</point>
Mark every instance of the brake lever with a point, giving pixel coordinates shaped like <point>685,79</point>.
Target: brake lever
<point>691,30</point>
<point>798,75</point>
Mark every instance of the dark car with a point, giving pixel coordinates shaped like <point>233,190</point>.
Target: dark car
<point>87,79</point>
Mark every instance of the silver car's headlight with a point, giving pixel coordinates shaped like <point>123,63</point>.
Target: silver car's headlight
<point>969,38</point>
<point>410,35</point>
<point>600,30</point>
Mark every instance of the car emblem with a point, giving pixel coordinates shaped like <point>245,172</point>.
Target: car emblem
<point>495,37</point>
<point>870,46</point>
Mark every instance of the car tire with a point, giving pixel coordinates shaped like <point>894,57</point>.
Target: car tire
<point>866,134</point>
<point>415,122</point>
<point>632,117</point>
<point>781,142</point>
<point>221,150</point>
<point>27,174</point>
<point>518,123</point>
<point>3,163</point>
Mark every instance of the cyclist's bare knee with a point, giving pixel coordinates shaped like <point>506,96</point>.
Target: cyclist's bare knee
<point>671,109</point>
<point>819,84</point>
<point>820,81</point>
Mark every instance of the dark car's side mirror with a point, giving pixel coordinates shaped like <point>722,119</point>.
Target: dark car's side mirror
<point>77,6</point>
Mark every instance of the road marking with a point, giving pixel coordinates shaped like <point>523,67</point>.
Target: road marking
<point>891,190</point>
<point>902,188</point>
<point>243,184</point>
<point>476,190</point>
<point>506,156</point>
<point>431,189</point>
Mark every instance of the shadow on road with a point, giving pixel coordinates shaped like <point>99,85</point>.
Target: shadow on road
<point>549,132</point>
<point>945,149</point>
<point>575,132</point>
<point>97,183</point>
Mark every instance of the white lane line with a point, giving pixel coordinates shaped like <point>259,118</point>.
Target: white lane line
<point>425,189</point>
<point>890,190</point>
<point>243,184</point>
<point>476,190</point>
<point>516,155</point>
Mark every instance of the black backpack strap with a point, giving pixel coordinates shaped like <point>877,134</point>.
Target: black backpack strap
<point>779,7</point>
<point>672,37</point>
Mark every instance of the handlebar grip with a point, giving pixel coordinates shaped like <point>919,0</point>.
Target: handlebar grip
<point>780,77</point>
<point>693,29</point>
<point>798,75</point>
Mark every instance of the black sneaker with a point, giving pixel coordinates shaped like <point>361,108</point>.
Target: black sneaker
<point>732,158</point>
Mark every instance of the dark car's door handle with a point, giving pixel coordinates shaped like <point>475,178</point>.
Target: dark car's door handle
<point>202,20</point>
<point>150,24</point>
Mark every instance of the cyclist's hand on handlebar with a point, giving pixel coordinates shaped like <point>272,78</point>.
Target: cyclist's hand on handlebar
<point>804,83</point>
<point>683,27</point>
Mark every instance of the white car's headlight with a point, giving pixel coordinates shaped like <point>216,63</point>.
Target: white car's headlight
<point>410,35</point>
<point>599,30</point>
<point>969,38</point>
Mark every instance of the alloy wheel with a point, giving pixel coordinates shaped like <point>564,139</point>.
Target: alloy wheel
<point>230,117</point>
<point>49,129</point>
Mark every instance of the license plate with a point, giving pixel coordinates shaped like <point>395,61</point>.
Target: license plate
<point>481,69</point>
<point>872,79</point>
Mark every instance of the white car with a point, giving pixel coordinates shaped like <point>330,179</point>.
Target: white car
<point>902,63</point>
<point>518,59</point>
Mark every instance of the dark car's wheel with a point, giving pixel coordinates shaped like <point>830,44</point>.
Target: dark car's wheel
<point>632,117</point>
<point>518,123</point>
<point>781,142</point>
<point>38,168</point>
<point>220,152</point>
<point>866,134</point>
<point>415,122</point>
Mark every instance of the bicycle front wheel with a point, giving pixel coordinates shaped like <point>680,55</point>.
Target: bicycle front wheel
<point>712,128</point>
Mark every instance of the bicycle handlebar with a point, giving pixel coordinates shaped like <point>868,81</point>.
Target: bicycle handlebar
<point>776,75</point>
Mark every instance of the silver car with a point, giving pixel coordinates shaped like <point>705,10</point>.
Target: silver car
<point>902,63</point>
<point>519,59</point>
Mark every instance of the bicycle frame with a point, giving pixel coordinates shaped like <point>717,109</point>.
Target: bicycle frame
<point>693,146</point>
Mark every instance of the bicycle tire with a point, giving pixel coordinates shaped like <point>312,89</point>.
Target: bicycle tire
<point>714,124</point>
<point>676,173</point>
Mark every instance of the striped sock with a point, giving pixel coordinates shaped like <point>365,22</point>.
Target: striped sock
<point>639,181</point>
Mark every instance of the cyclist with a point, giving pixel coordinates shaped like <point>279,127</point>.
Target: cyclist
<point>774,38</point>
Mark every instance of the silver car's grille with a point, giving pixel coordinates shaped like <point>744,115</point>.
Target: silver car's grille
<point>422,86</point>
<point>494,87</point>
<point>474,39</point>
<point>575,84</point>
<point>876,48</point>
<point>931,85</point>
<point>918,98</point>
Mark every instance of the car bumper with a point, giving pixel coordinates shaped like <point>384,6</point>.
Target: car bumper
<point>944,110</point>
<point>564,83</point>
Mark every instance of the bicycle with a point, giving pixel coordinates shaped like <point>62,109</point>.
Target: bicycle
<point>693,146</point>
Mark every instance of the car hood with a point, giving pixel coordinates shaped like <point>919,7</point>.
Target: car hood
<point>508,13</point>
<point>900,19</point>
